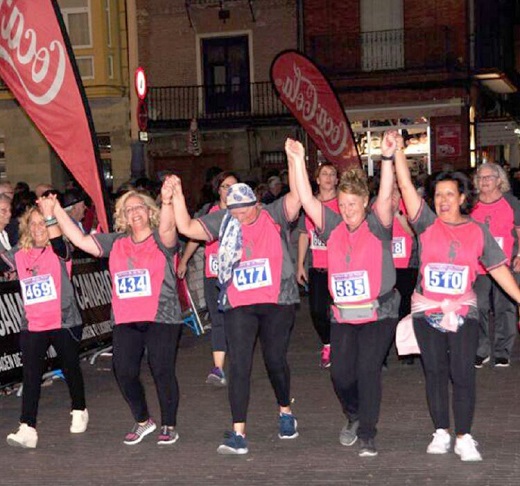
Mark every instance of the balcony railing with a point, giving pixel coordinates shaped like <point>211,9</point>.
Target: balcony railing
<point>400,49</point>
<point>173,106</point>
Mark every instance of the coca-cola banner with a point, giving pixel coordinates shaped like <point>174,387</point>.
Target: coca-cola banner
<point>36,67</point>
<point>308,94</point>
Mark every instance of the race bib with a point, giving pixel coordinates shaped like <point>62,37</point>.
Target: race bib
<point>36,290</point>
<point>350,286</point>
<point>399,247</point>
<point>443,278</point>
<point>133,283</point>
<point>252,274</point>
<point>500,241</point>
<point>213,264</point>
<point>316,243</point>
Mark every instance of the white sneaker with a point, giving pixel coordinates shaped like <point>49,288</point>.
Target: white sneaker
<point>25,437</point>
<point>466,448</point>
<point>79,421</point>
<point>441,442</point>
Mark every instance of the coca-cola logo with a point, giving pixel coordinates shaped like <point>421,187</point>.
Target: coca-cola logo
<point>300,92</point>
<point>19,48</point>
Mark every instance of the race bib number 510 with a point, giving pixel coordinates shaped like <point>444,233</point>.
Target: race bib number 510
<point>350,287</point>
<point>36,290</point>
<point>252,274</point>
<point>133,283</point>
<point>442,278</point>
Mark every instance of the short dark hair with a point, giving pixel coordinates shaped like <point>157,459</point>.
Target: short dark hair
<point>464,186</point>
<point>220,178</point>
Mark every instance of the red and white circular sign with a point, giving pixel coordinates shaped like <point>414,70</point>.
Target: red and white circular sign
<point>141,84</point>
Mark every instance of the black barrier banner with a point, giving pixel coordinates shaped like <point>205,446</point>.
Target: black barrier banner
<point>92,287</point>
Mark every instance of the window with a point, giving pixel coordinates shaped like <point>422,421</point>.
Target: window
<point>3,172</point>
<point>85,66</point>
<point>76,15</point>
<point>110,61</point>
<point>382,36</point>
<point>226,74</point>
<point>108,21</point>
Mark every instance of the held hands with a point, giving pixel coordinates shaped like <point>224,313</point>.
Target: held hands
<point>167,191</point>
<point>294,151</point>
<point>47,205</point>
<point>176,186</point>
<point>389,145</point>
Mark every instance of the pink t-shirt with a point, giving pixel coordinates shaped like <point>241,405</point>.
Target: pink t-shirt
<point>40,274</point>
<point>318,249</point>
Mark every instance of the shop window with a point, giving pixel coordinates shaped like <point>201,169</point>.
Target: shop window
<point>76,15</point>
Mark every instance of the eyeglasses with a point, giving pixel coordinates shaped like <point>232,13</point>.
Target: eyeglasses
<point>130,209</point>
<point>487,178</point>
<point>225,186</point>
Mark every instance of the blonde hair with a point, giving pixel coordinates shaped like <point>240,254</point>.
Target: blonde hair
<point>120,221</point>
<point>354,181</point>
<point>26,242</point>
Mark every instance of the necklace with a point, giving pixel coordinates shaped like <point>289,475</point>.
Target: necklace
<point>32,265</point>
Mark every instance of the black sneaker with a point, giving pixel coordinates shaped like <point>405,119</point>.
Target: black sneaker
<point>480,361</point>
<point>367,448</point>
<point>502,362</point>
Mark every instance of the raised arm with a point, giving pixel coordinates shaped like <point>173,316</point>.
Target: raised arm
<point>311,205</point>
<point>167,230</point>
<point>50,207</point>
<point>292,199</point>
<point>383,202</point>
<point>185,224</point>
<point>410,196</point>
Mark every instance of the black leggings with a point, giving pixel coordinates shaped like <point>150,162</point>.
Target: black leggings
<point>357,354</point>
<point>34,346</point>
<point>218,335</point>
<point>449,356</point>
<point>161,342</point>
<point>319,303</point>
<point>273,325</point>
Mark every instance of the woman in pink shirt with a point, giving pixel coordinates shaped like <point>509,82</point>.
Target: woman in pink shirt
<point>51,317</point>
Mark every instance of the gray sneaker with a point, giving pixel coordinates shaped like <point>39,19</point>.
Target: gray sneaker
<point>367,448</point>
<point>348,434</point>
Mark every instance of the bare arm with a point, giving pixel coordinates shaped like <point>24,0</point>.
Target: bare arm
<point>383,202</point>
<point>292,199</point>
<point>191,248</point>
<point>505,279</point>
<point>185,224</point>
<point>410,196</point>
<point>303,245</point>
<point>310,204</point>
<point>50,206</point>
<point>167,229</point>
<point>516,258</point>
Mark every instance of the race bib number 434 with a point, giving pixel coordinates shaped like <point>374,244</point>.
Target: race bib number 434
<point>36,290</point>
<point>442,278</point>
<point>252,274</point>
<point>133,283</point>
<point>350,286</point>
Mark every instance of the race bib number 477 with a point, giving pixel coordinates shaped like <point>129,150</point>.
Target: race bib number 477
<point>443,278</point>
<point>252,274</point>
<point>133,283</point>
<point>36,290</point>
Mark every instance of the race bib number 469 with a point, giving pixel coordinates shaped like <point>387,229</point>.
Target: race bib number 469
<point>36,290</point>
<point>133,283</point>
<point>252,274</point>
<point>350,286</point>
<point>442,278</point>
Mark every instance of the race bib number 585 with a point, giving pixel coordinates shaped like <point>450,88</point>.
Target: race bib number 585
<point>350,286</point>
<point>442,278</point>
<point>133,283</point>
<point>38,289</point>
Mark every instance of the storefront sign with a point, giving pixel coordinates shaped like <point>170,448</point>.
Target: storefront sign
<point>310,97</point>
<point>448,140</point>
